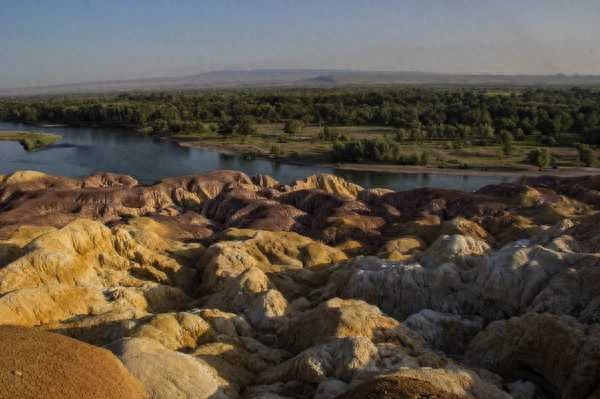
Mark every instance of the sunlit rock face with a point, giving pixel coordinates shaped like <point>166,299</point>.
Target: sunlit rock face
<point>225,286</point>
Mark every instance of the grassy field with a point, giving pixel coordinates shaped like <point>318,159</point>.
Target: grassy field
<point>307,147</point>
<point>30,141</point>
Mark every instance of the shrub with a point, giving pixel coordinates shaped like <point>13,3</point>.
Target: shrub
<point>417,135</point>
<point>226,128</point>
<point>539,157</point>
<point>375,150</point>
<point>246,126</point>
<point>457,144</point>
<point>412,159</point>
<point>506,140</point>
<point>548,140</point>
<point>160,126</point>
<point>331,135</point>
<point>276,151</point>
<point>586,155</point>
<point>293,126</point>
<point>592,136</point>
<point>401,135</point>
<point>519,134</point>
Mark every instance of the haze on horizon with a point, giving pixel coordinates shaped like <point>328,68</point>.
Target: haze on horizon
<point>62,41</point>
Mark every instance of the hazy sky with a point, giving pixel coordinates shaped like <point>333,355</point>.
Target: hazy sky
<point>56,41</point>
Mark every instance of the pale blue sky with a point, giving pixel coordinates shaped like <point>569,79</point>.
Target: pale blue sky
<point>58,41</point>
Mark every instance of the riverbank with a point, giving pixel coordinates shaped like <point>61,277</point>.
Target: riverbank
<point>84,151</point>
<point>30,141</point>
<point>309,149</point>
<point>318,156</point>
<point>308,152</point>
<point>508,172</point>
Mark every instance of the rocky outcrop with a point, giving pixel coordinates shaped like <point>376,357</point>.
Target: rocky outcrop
<point>85,269</point>
<point>339,318</point>
<point>252,294</point>
<point>466,227</point>
<point>556,353</point>
<point>457,249</point>
<point>398,387</point>
<point>427,383</point>
<point>176,331</point>
<point>447,332</point>
<point>167,374</point>
<point>274,253</point>
<point>510,281</point>
<point>339,358</point>
<point>328,183</point>
<point>244,208</point>
<point>40,199</point>
<point>402,248</point>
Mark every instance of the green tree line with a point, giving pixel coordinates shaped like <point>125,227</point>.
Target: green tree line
<point>473,114</point>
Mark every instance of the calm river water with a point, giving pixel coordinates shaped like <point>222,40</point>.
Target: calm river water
<point>83,151</point>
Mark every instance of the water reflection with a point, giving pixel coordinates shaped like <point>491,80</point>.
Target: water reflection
<point>86,150</point>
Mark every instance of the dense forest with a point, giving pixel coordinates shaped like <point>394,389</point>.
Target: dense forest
<point>467,114</point>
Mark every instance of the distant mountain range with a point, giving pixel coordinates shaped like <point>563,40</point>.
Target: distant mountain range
<point>304,78</point>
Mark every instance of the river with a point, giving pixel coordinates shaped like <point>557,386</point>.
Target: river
<point>85,150</point>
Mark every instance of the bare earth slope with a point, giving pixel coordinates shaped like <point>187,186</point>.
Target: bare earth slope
<point>223,285</point>
<point>36,364</point>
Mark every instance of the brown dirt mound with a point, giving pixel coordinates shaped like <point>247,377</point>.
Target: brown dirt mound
<point>37,364</point>
<point>397,388</point>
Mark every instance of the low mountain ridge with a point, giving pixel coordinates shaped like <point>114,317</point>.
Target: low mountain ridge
<point>303,78</point>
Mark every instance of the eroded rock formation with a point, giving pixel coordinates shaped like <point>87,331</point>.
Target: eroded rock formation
<point>225,286</point>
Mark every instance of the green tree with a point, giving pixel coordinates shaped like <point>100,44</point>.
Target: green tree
<point>417,135</point>
<point>486,134</point>
<point>276,151</point>
<point>586,155</point>
<point>226,127</point>
<point>160,126</point>
<point>293,126</point>
<point>592,136</point>
<point>30,115</point>
<point>549,126</point>
<point>519,134</point>
<point>506,141</point>
<point>401,135</point>
<point>326,134</point>
<point>539,157</point>
<point>246,126</point>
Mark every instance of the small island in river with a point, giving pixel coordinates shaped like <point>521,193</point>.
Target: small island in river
<point>30,141</point>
